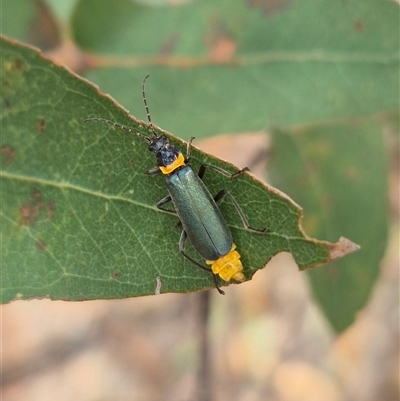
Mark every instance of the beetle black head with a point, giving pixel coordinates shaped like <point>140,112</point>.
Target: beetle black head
<point>157,143</point>
<point>166,154</point>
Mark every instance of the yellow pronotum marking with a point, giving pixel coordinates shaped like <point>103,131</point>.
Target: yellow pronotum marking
<point>228,267</point>
<point>180,161</point>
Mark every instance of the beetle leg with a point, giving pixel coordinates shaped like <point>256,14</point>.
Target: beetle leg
<point>224,192</point>
<point>182,245</point>
<point>189,149</point>
<point>154,171</point>
<point>162,202</point>
<point>217,286</point>
<point>220,170</point>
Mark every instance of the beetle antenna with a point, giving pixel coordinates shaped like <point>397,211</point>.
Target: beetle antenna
<point>117,125</point>
<point>146,106</point>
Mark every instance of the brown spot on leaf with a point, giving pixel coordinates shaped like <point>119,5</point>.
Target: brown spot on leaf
<point>115,274</point>
<point>40,245</point>
<point>36,194</point>
<point>9,153</point>
<point>50,209</point>
<point>359,26</point>
<point>7,103</point>
<point>18,64</point>
<point>41,125</point>
<point>269,7</point>
<point>30,211</point>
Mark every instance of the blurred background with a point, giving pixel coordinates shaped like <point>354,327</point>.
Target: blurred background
<point>306,94</point>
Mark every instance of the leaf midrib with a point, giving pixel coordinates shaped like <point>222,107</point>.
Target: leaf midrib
<point>67,185</point>
<point>321,56</point>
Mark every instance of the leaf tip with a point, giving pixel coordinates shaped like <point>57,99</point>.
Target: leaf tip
<point>341,248</point>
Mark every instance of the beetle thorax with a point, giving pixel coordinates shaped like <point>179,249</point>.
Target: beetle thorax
<point>167,155</point>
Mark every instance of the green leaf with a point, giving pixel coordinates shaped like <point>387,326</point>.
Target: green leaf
<point>338,172</point>
<point>30,21</point>
<point>17,17</point>
<point>244,64</point>
<point>78,215</point>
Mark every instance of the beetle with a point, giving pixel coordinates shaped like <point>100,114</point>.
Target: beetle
<point>197,210</point>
